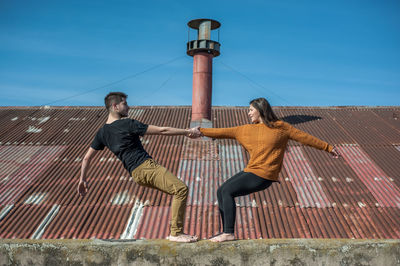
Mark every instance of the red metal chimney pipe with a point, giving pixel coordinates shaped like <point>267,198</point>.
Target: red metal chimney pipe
<point>203,50</point>
<point>202,86</point>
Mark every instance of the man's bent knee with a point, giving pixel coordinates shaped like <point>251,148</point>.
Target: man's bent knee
<point>182,191</point>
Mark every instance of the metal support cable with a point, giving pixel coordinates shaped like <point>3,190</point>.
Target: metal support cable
<point>257,85</point>
<point>117,81</point>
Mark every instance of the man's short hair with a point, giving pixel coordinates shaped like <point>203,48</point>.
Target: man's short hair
<point>114,98</point>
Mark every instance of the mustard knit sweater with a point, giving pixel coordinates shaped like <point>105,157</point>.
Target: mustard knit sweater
<point>266,145</point>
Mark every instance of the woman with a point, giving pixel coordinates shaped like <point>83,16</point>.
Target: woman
<point>265,140</point>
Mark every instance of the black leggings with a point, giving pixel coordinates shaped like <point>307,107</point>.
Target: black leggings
<point>241,184</point>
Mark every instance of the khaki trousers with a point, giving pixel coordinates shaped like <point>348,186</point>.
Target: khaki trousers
<point>153,175</point>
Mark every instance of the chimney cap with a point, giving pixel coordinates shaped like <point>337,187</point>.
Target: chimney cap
<point>195,23</point>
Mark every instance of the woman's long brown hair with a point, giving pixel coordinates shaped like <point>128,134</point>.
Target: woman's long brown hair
<point>264,108</point>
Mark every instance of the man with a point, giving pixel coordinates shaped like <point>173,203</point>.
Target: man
<point>121,136</point>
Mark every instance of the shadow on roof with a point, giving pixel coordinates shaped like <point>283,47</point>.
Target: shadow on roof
<point>298,119</point>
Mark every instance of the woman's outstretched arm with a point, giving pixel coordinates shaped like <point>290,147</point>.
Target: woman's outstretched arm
<point>307,139</point>
<point>220,133</point>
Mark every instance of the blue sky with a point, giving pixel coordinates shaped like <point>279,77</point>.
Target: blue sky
<point>294,53</point>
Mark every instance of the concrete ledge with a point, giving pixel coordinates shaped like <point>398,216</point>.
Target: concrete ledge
<point>161,252</point>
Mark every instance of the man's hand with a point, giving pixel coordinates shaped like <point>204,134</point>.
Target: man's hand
<point>335,153</point>
<point>83,185</point>
<point>82,188</point>
<point>194,133</point>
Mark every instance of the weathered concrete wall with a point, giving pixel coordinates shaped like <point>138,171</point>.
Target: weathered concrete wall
<point>161,252</point>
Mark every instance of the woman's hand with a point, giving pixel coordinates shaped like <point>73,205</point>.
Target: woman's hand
<point>335,153</point>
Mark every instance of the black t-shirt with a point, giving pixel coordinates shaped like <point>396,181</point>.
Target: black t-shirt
<point>122,138</point>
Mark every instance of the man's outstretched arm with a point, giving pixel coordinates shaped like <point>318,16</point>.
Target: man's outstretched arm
<point>171,131</point>
<point>83,185</point>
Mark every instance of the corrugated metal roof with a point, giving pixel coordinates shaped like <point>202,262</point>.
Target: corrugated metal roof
<point>356,196</point>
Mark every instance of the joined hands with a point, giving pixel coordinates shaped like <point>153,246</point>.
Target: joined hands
<point>193,133</point>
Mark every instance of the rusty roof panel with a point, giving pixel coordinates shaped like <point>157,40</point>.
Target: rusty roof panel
<point>390,116</point>
<point>386,158</point>
<point>97,221</point>
<point>356,196</point>
<point>384,190</point>
<point>21,166</point>
<point>23,220</point>
<point>326,223</point>
<point>306,184</point>
<point>338,180</point>
<point>362,126</point>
